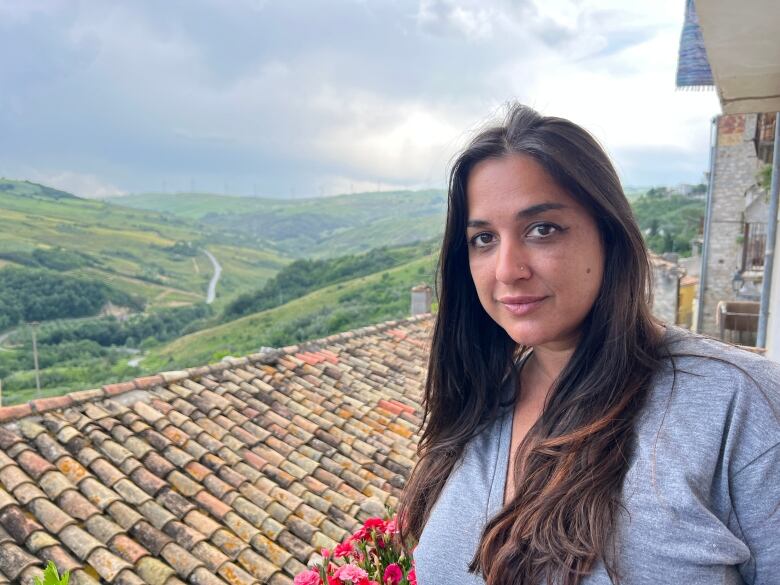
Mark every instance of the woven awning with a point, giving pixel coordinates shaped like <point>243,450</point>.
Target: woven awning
<point>740,43</point>
<point>693,68</point>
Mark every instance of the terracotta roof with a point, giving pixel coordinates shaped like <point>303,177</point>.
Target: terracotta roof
<point>661,262</point>
<point>232,473</point>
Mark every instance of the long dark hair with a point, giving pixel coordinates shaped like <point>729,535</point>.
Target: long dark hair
<point>572,462</point>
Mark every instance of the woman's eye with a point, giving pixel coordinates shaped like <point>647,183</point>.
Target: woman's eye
<point>543,230</point>
<point>481,240</point>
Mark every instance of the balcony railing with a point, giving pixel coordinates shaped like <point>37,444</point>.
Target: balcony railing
<point>738,321</point>
<point>754,246</point>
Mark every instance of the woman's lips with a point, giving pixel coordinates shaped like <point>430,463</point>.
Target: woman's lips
<point>521,305</point>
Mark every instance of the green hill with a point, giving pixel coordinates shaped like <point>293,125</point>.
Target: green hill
<point>669,221</point>
<point>339,307</point>
<point>145,253</point>
<point>314,227</point>
<point>33,190</point>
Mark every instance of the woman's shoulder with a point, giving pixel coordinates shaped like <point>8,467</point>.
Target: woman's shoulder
<point>716,363</point>
<point>716,395</point>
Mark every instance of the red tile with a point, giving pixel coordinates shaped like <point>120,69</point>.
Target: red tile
<point>315,381</point>
<point>128,549</point>
<point>397,333</point>
<point>147,481</point>
<point>394,406</point>
<point>254,460</point>
<point>119,388</point>
<point>250,412</point>
<point>61,558</point>
<point>212,505</point>
<point>330,356</point>
<point>163,407</point>
<point>33,464</point>
<point>8,413</point>
<point>148,382</point>
<point>106,471</point>
<point>198,471</point>
<point>177,436</point>
<point>310,358</point>
<point>212,461</point>
<point>77,505</point>
<point>53,403</point>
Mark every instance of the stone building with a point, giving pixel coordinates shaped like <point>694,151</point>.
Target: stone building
<point>735,234</point>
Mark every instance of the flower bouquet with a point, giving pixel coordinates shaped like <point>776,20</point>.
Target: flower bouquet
<point>371,556</point>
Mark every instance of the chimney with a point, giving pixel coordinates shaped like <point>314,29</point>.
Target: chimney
<point>421,299</point>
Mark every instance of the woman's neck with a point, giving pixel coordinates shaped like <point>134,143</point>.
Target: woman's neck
<point>542,368</point>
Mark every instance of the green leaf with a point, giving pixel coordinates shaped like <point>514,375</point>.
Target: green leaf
<point>51,576</point>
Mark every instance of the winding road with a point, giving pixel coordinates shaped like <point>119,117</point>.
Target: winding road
<point>5,336</point>
<point>212,292</point>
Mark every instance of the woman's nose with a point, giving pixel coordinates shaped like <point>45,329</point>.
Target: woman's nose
<point>511,264</point>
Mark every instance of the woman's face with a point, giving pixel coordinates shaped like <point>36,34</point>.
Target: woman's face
<point>535,254</point>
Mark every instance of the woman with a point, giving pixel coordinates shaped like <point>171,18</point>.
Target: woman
<point>571,438</point>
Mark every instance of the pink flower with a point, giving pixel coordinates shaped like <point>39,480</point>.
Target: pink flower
<point>391,527</point>
<point>350,573</point>
<point>325,553</point>
<point>311,577</point>
<point>393,574</point>
<point>342,550</point>
<point>377,523</point>
<point>412,577</point>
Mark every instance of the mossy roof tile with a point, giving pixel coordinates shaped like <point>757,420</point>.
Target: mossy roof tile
<point>236,472</point>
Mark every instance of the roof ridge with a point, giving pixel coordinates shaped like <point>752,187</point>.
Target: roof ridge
<point>40,405</point>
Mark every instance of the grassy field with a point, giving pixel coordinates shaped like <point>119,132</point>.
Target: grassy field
<point>340,307</point>
<point>128,247</point>
<point>316,227</point>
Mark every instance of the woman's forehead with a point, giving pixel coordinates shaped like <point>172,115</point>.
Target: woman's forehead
<point>516,185</point>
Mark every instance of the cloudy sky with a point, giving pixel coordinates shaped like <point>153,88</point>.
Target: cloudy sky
<point>318,97</point>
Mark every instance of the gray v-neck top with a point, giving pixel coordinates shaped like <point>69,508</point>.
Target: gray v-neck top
<point>702,493</point>
<point>473,493</point>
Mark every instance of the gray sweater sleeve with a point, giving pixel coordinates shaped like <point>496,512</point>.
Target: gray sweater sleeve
<point>756,499</point>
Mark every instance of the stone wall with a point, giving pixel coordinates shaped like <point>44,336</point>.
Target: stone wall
<point>736,165</point>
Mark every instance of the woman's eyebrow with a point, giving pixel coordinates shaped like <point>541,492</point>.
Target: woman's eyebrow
<point>522,214</point>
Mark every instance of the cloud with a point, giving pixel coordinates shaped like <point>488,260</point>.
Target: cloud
<point>280,98</point>
<point>473,20</point>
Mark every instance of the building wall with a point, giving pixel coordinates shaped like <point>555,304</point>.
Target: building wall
<point>686,297</point>
<point>735,171</point>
